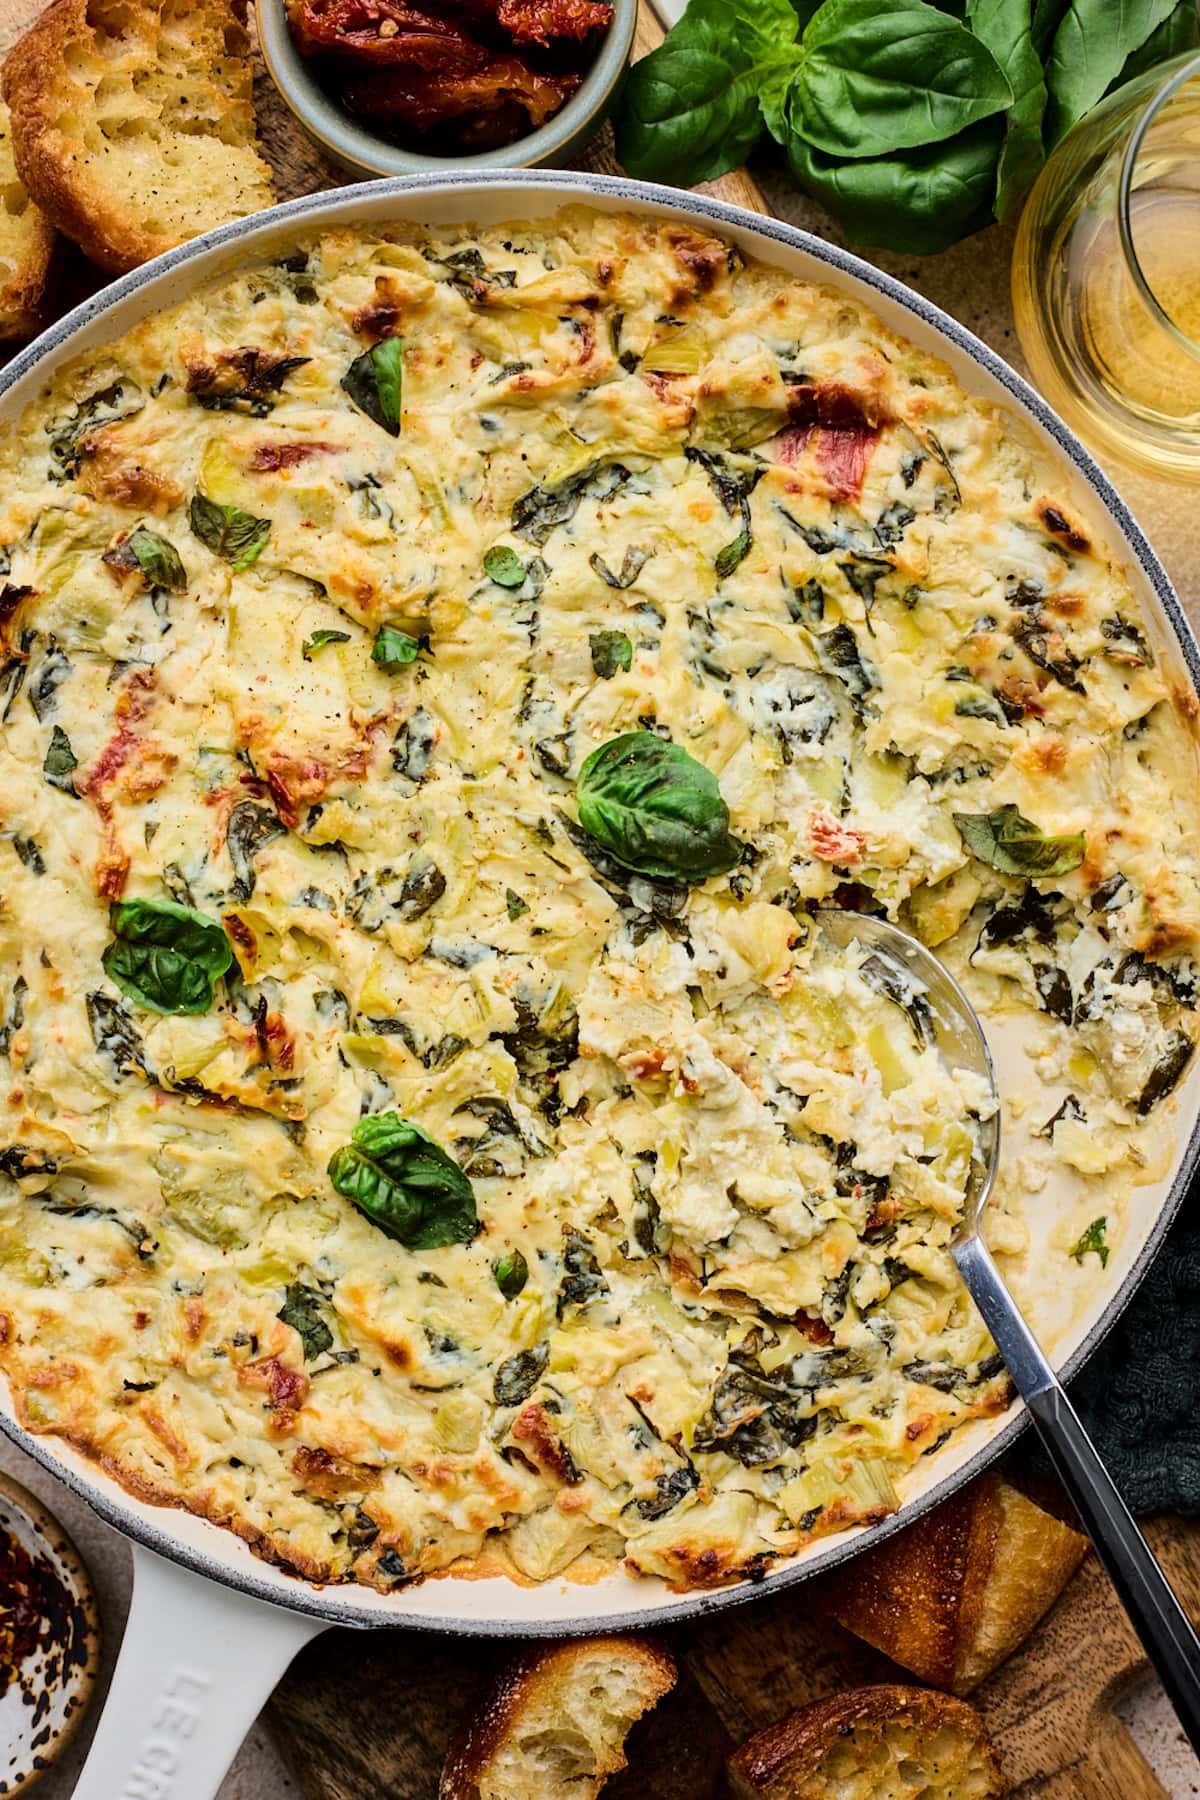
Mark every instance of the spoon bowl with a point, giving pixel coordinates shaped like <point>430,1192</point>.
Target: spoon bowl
<point>930,992</point>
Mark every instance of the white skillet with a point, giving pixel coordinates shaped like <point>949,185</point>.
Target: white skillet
<point>211,1627</point>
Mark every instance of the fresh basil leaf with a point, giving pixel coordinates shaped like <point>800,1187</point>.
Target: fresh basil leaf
<point>1179,32</point>
<point>502,565</point>
<point>236,536</point>
<point>157,560</point>
<point>375,383</point>
<point>165,956</point>
<point>690,111</point>
<point>877,76</point>
<point>60,762</point>
<point>1004,26</point>
<point>1047,17</point>
<point>319,639</point>
<point>394,649</point>
<point>611,650</point>
<point>1093,1239</point>
<point>405,1183</point>
<point>512,1272</point>
<point>655,809</point>
<point>918,202</point>
<point>730,555</point>
<point>1006,840</point>
<point>1091,47</point>
<point>303,1310</point>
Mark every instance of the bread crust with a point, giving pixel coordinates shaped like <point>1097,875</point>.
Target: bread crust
<point>27,241</point>
<point>955,1594</point>
<point>784,1762</point>
<point>545,1676</point>
<point>41,87</point>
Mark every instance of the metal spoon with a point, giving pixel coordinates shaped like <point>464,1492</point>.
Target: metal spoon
<point>1167,1636</point>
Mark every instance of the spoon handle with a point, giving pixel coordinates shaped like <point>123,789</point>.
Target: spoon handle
<point>1167,1635</point>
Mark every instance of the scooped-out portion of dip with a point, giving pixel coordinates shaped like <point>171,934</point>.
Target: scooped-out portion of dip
<point>440,677</point>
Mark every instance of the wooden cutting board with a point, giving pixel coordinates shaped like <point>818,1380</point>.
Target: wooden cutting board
<point>367,1716</point>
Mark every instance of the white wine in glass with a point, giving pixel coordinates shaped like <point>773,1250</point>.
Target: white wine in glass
<point>1106,274</point>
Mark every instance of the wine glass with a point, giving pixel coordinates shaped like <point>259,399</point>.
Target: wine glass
<point>1106,274</point>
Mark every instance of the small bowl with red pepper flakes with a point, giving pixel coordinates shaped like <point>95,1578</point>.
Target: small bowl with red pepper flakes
<point>387,88</point>
<point>49,1638</point>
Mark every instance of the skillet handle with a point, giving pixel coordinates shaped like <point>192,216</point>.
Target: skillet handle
<point>195,1666</point>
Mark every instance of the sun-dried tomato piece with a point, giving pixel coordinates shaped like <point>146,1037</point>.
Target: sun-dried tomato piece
<point>382,32</point>
<point>537,21</point>
<point>421,101</point>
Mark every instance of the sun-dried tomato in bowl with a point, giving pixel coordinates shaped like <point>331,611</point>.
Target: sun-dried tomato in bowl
<point>471,75</point>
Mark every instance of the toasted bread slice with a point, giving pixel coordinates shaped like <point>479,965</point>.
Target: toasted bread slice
<point>26,245</point>
<point>955,1594</point>
<point>133,126</point>
<point>554,1726</point>
<point>872,1743</point>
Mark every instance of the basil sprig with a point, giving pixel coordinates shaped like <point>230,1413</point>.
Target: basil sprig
<point>655,809</point>
<point>375,383</point>
<point>1006,840</point>
<point>236,536</point>
<point>165,956</point>
<point>914,126</point>
<point>405,1183</point>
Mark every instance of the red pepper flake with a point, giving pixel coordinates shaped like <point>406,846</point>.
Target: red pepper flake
<point>21,1607</point>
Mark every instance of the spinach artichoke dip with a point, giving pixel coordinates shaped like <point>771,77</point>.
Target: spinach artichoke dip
<point>441,679</point>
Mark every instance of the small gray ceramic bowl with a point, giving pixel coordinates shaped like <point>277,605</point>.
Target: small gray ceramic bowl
<point>361,152</point>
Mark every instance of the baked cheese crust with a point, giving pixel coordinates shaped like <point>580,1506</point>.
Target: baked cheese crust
<point>321,661</point>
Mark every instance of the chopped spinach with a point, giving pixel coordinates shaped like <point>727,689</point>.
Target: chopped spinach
<point>536,514</point>
<point>632,564</point>
<point>413,749</point>
<point>517,1377</point>
<point>114,1035</point>
<point>303,1310</point>
<point>422,887</point>
<point>251,828</point>
<point>60,762</point>
<point>611,650</point>
<point>583,1279</point>
<point>319,639</point>
<point>669,1490</point>
<point>46,680</point>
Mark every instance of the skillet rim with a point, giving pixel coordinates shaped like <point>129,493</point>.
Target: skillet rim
<point>101,1492</point>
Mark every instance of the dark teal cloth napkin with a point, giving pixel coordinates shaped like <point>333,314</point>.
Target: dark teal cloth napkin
<point>1139,1396</point>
